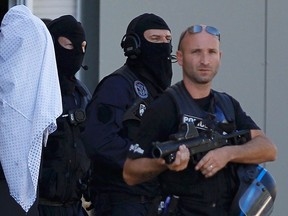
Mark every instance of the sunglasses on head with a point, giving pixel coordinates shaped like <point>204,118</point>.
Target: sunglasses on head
<point>209,29</point>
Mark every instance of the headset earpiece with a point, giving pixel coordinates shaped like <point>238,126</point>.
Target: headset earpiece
<point>131,44</point>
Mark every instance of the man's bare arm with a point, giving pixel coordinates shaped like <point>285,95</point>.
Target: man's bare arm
<point>143,169</point>
<point>258,150</point>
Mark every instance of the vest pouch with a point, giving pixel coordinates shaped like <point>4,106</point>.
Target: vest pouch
<point>76,116</point>
<point>56,186</point>
<point>65,164</point>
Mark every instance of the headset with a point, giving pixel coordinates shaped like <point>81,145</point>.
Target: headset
<point>131,42</point>
<point>131,45</point>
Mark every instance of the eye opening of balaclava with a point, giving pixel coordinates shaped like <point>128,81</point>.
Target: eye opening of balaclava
<point>68,61</point>
<point>153,57</point>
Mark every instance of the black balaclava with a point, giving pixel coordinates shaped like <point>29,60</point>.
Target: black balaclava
<point>68,61</point>
<point>154,57</point>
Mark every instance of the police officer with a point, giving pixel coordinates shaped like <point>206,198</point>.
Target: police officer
<point>65,163</point>
<point>115,111</point>
<point>206,183</point>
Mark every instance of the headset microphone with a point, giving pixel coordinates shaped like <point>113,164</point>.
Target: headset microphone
<point>85,67</point>
<point>172,58</point>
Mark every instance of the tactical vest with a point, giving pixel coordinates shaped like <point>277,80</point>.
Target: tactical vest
<point>141,96</point>
<point>65,162</point>
<point>138,89</point>
<point>189,181</point>
<point>186,106</point>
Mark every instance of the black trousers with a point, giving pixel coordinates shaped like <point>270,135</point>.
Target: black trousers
<point>74,209</point>
<point>118,204</point>
<point>9,207</point>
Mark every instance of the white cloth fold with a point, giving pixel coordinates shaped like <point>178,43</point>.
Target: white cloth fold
<point>30,99</point>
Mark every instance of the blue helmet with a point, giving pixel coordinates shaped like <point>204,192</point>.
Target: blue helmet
<point>256,193</point>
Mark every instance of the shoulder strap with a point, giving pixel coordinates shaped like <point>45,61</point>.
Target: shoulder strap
<point>188,109</point>
<point>224,101</point>
<point>84,92</point>
<point>184,101</point>
<point>124,72</point>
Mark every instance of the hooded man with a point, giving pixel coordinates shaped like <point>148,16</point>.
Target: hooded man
<point>64,162</point>
<point>30,102</point>
<point>114,114</point>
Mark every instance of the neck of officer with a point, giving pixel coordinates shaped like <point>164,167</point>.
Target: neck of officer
<point>197,90</point>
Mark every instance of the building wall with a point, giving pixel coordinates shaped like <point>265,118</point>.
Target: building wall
<point>54,8</point>
<point>277,99</point>
<point>254,61</point>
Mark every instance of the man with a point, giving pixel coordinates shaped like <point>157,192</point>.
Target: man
<point>114,114</point>
<point>65,164</point>
<point>206,183</point>
<point>30,102</point>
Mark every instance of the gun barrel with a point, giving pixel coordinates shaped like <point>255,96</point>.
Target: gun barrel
<point>161,150</point>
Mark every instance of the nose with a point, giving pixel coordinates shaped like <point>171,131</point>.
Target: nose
<point>205,59</point>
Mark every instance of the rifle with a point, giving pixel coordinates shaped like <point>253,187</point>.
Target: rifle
<point>188,135</point>
<point>257,189</point>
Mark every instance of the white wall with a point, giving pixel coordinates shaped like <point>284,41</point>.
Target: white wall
<point>54,8</point>
<point>277,99</point>
<point>243,47</point>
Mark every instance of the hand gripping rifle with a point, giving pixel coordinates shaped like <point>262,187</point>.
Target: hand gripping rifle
<point>257,190</point>
<point>188,135</point>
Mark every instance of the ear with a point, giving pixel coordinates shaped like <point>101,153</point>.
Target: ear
<point>179,57</point>
<point>220,57</point>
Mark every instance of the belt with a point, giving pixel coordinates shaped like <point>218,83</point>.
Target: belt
<point>130,197</point>
<point>55,203</point>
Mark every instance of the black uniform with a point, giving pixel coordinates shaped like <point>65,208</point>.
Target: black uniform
<point>113,117</point>
<point>65,164</point>
<point>105,128</point>
<point>198,195</point>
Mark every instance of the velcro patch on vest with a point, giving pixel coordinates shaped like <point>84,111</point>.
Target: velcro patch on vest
<point>198,122</point>
<point>136,149</point>
<point>140,89</point>
<point>142,108</point>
